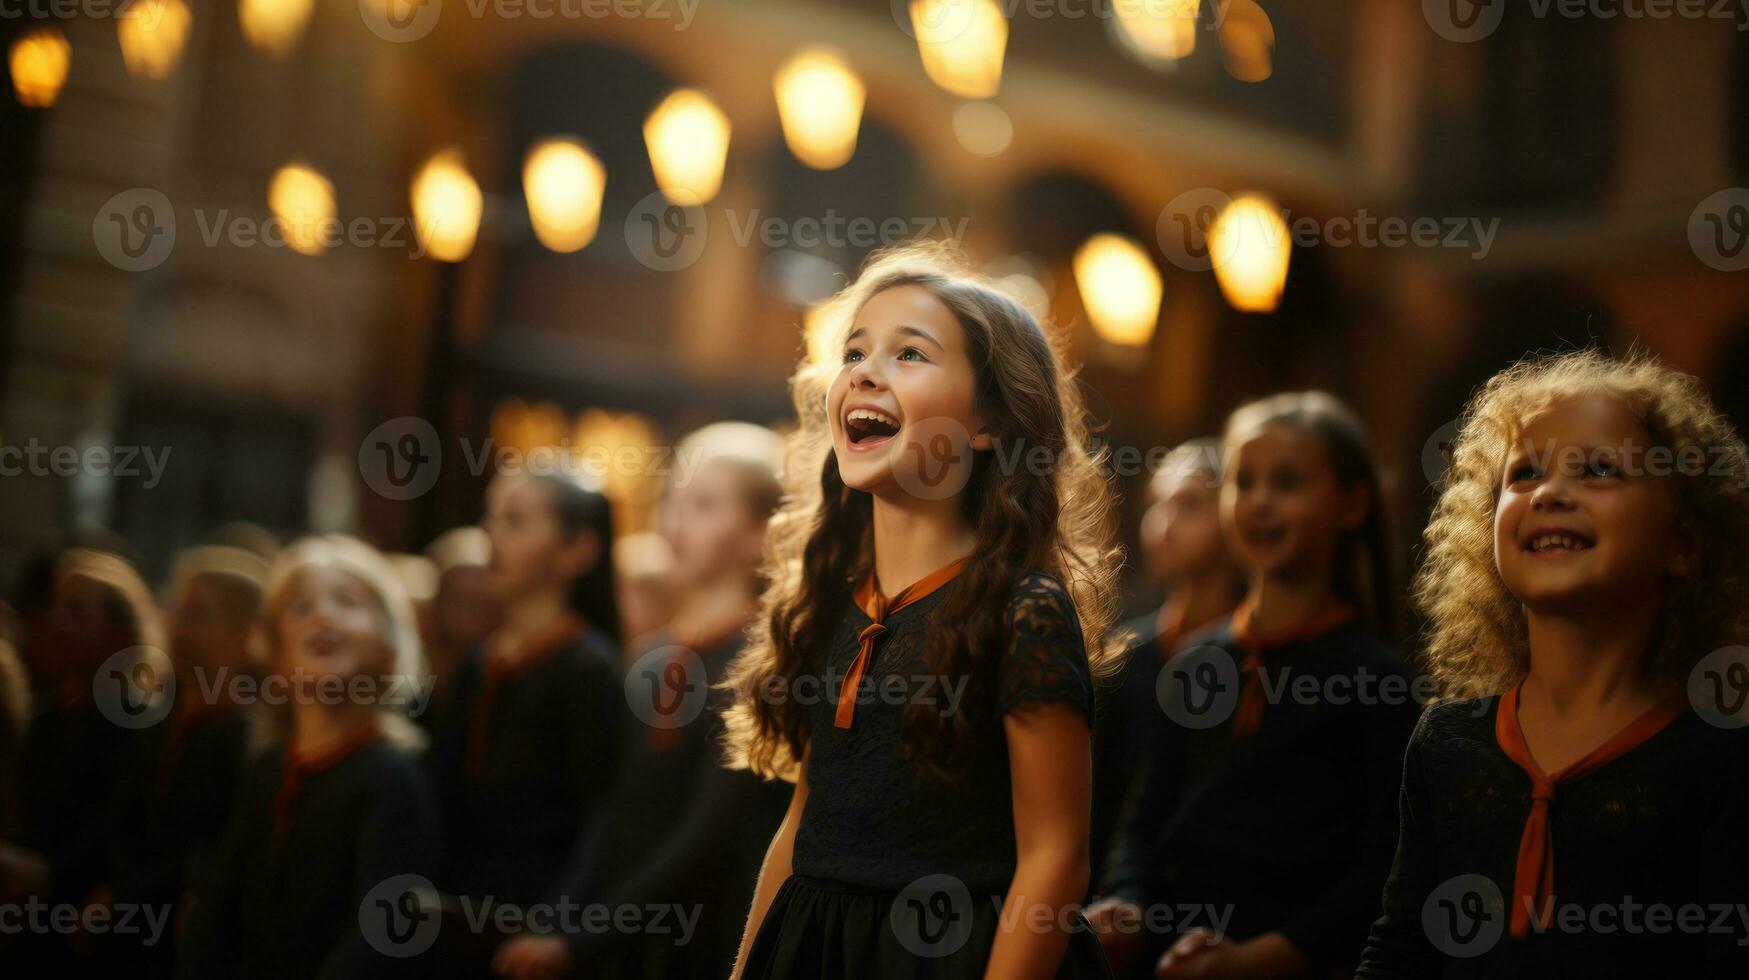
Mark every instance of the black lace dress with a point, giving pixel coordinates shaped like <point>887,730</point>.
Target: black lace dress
<point>897,874</point>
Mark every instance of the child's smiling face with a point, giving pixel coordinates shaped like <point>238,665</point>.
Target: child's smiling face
<point>530,549</point>
<point>1181,530</point>
<point>1580,523</point>
<point>332,624</point>
<point>1282,506</point>
<point>906,383</point>
<point>710,526</point>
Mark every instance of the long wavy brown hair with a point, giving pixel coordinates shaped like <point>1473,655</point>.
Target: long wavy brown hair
<point>1476,636</point>
<point>1055,519</point>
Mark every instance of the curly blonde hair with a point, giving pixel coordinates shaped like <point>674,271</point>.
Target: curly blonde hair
<point>1476,636</point>
<point>404,659</point>
<point>1058,521</point>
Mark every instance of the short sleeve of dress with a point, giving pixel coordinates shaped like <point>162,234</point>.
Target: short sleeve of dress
<point>1046,658</point>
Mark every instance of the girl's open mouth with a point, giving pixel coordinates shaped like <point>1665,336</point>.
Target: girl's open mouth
<point>867,428</point>
<point>1552,543</point>
<point>1266,537</point>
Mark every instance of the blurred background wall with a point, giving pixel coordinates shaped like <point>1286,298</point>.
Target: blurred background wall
<point>1585,176</point>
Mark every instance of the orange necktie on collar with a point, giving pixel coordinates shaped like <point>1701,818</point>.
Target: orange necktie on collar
<point>1174,628</point>
<point>503,665</point>
<point>1249,714</point>
<point>1534,878</point>
<point>878,607</point>
<point>297,767</point>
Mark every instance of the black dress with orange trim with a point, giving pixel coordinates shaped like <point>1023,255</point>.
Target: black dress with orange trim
<point>1651,858</point>
<point>70,766</point>
<point>524,769</point>
<point>682,830</point>
<point>176,793</point>
<point>1287,828</point>
<point>1128,705</point>
<point>896,872</point>
<point>298,861</point>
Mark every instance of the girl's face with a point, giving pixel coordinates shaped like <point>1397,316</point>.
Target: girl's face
<point>465,609</point>
<point>331,624</point>
<point>530,551</point>
<point>902,406</point>
<point>711,528</point>
<point>1282,507</point>
<point>204,634</point>
<point>1181,531</point>
<point>1579,520</point>
<point>79,621</point>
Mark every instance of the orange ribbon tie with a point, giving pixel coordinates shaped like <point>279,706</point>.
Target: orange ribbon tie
<point>877,607</point>
<point>1248,716</point>
<point>1533,882</point>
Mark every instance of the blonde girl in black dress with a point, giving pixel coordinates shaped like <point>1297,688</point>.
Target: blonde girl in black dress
<point>941,581</point>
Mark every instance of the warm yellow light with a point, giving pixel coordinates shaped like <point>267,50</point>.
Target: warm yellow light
<point>982,128</point>
<point>151,33</point>
<point>818,325</point>
<point>1249,246</point>
<point>563,183</point>
<point>819,101</point>
<point>446,206</point>
<point>303,201</point>
<point>274,26</point>
<point>1248,41</point>
<point>39,62</point>
<point>1120,288</point>
<point>1157,30</point>
<point>962,42</point>
<point>688,139</point>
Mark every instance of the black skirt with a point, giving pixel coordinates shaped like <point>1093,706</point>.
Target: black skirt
<point>934,929</point>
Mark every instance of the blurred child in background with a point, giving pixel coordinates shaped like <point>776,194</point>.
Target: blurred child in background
<point>464,611</point>
<point>1182,549</point>
<point>101,624</point>
<point>337,806</point>
<point>645,564</point>
<point>1268,802</point>
<point>180,782</point>
<point>531,750</point>
<point>683,830</point>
